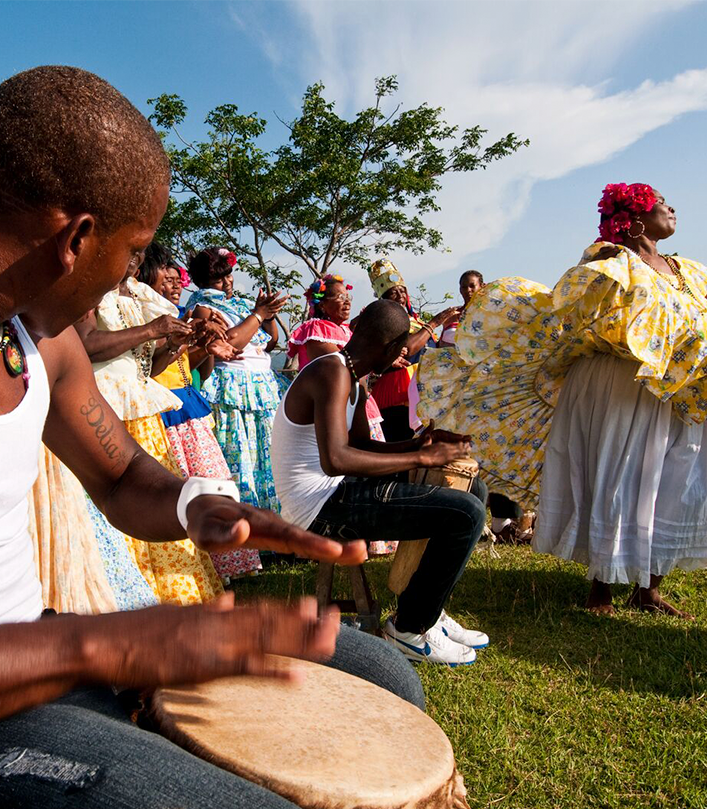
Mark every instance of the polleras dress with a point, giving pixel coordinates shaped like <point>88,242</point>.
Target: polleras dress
<point>589,400</point>
<point>244,395</point>
<point>177,572</point>
<point>194,446</point>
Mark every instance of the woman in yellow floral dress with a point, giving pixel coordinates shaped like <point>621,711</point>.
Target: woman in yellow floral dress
<point>120,338</point>
<point>590,399</point>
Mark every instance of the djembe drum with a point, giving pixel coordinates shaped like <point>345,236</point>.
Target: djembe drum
<point>459,475</point>
<point>333,741</point>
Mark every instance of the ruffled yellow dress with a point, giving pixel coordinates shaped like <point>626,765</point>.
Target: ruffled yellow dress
<point>589,401</point>
<point>177,572</point>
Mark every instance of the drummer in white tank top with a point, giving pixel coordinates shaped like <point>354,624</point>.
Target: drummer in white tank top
<point>20,438</point>
<point>302,485</point>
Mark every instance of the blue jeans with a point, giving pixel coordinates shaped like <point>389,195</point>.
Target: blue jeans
<point>383,509</point>
<point>83,751</point>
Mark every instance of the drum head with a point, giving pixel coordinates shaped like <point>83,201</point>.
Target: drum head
<point>333,741</point>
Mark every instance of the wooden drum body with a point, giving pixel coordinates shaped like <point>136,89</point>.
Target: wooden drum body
<point>459,475</point>
<point>333,741</point>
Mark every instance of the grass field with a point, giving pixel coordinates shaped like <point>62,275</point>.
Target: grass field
<point>564,709</point>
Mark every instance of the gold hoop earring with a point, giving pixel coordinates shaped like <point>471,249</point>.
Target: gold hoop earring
<point>638,235</point>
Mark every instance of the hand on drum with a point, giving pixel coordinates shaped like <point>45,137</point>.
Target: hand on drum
<point>431,436</point>
<point>219,524</point>
<point>170,645</point>
<point>440,447</point>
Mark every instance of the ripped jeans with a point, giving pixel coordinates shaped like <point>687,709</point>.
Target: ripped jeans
<point>383,509</point>
<point>83,751</point>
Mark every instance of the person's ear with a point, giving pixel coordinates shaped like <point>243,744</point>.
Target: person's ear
<point>73,240</point>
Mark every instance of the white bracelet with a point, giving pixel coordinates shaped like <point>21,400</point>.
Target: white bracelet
<point>259,317</point>
<point>195,487</point>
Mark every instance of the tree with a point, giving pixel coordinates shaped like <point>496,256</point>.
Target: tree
<point>337,191</point>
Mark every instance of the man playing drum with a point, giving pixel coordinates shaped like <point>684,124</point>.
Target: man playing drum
<point>84,182</point>
<point>334,480</point>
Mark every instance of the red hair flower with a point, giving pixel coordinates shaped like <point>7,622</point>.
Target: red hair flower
<point>184,279</point>
<point>616,205</point>
<point>230,257</point>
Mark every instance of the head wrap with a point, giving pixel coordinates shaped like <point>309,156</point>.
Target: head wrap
<point>384,275</point>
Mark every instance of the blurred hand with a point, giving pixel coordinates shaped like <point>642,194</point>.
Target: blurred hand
<point>432,436</point>
<point>170,327</point>
<point>220,524</point>
<point>449,315</point>
<point>171,645</point>
<point>268,306</point>
<point>221,350</point>
<point>441,453</point>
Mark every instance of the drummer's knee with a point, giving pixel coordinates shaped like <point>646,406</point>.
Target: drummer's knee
<point>378,662</point>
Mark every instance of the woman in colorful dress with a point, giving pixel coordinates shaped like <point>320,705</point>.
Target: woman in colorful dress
<point>326,332</point>
<point>121,338</point>
<point>591,398</point>
<point>391,390</point>
<point>190,429</point>
<point>243,393</point>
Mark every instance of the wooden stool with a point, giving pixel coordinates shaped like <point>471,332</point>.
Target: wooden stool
<point>363,605</point>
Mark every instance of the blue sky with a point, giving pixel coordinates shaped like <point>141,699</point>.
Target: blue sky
<point>607,92</point>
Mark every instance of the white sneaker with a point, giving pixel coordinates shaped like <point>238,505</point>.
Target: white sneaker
<point>433,646</point>
<point>457,633</point>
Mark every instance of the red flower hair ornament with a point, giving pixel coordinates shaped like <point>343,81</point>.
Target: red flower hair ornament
<point>230,257</point>
<point>616,205</point>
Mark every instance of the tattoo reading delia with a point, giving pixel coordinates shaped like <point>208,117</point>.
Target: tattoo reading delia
<point>103,426</point>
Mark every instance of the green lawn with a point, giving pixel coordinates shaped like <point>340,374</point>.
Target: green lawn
<point>564,709</point>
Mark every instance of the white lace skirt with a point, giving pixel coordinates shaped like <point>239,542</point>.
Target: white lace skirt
<point>624,486</point>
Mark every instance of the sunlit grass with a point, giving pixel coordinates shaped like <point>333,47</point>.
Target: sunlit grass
<point>564,709</point>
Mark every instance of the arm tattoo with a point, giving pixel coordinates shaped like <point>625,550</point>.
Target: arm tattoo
<point>103,426</point>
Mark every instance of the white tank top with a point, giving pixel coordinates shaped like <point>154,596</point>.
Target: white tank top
<point>20,439</point>
<point>301,484</point>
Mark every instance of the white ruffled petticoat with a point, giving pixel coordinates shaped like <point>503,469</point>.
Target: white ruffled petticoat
<point>624,484</point>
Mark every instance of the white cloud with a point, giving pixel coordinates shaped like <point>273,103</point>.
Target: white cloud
<point>540,69</point>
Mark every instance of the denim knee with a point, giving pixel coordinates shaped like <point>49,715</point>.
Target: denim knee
<point>378,662</point>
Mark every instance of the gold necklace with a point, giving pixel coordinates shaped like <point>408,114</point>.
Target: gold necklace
<point>679,281</point>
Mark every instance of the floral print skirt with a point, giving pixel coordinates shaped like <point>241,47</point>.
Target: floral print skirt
<point>177,572</point>
<point>198,454</point>
<point>245,437</point>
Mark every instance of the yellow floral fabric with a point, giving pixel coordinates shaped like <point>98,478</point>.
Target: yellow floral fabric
<point>177,375</point>
<point>177,572</point>
<point>517,340</point>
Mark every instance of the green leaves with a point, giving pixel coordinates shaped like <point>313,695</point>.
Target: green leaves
<point>336,190</point>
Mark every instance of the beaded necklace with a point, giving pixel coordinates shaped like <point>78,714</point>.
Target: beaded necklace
<point>12,353</point>
<point>185,377</point>
<point>349,364</point>
<point>143,355</point>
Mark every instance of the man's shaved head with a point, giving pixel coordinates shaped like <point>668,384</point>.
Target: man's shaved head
<point>71,141</point>
<point>383,322</point>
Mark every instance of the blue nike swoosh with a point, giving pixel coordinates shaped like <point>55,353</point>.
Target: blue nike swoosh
<point>422,650</point>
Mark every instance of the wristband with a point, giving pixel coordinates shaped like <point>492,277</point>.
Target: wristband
<point>259,317</point>
<point>195,487</point>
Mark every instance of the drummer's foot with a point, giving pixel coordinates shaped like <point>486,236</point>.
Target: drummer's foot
<point>459,634</point>
<point>433,646</point>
